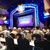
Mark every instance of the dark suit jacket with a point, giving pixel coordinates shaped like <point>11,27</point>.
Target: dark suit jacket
<point>23,44</point>
<point>10,43</point>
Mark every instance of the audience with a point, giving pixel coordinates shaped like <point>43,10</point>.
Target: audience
<point>24,36</point>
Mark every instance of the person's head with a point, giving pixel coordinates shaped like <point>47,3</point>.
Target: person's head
<point>23,29</point>
<point>19,36</point>
<point>30,31</point>
<point>19,30</point>
<point>44,30</point>
<point>38,27</point>
<point>34,28</point>
<point>14,28</point>
<point>48,30</point>
<point>26,31</point>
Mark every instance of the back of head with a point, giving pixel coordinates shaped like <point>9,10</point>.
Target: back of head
<point>19,35</point>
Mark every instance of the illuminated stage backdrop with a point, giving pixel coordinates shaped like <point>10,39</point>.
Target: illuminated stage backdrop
<point>40,4</point>
<point>31,6</point>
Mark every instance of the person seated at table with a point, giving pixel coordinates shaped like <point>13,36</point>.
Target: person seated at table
<point>23,43</point>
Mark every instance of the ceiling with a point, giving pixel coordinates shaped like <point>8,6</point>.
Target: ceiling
<point>11,3</point>
<point>7,4</point>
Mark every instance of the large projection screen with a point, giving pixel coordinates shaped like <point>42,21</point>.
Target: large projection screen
<point>25,21</point>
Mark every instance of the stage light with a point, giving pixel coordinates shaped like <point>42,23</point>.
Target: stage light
<point>45,14</point>
<point>4,18</point>
<point>21,8</point>
<point>6,22</point>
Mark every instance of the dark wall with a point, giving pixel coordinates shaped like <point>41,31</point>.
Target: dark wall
<point>48,21</point>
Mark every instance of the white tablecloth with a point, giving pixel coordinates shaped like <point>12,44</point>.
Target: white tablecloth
<point>2,39</point>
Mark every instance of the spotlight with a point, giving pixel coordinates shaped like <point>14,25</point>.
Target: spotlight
<point>6,22</point>
<point>4,18</point>
<point>21,8</point>
<point>45,14</point>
